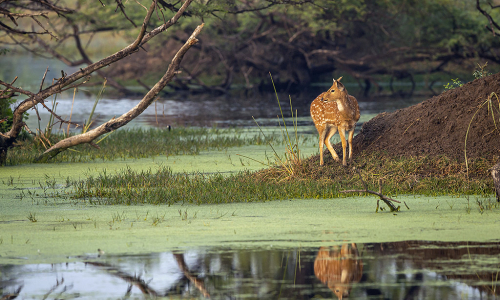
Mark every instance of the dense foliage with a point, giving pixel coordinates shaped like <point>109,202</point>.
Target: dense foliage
<point>298,41</point>
<point>304,42</point>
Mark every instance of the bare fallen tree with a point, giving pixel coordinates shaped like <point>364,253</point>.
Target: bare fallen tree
<point>66,82</point>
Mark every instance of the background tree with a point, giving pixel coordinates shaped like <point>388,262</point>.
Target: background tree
<point>66,81</point>
<point>301,42</point>
<point>298,41</point>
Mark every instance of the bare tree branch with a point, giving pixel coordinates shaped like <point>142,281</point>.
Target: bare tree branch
<point>19,90</point>
<point>114,124</point>
<point>43,79</point>
<point>184,268</point>
<point>4,91</point>
<point>133,280</point>
<point>63,82</point>
<point>79,77</point>
<point>384,198</point>
<point>493,24</point>
<point>122,8</point>
<point>29,9</point>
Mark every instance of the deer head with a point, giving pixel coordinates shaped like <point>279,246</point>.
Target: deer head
<point>336,93</point>
<point>339,268</point>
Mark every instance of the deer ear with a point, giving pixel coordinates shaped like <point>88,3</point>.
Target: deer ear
<point>340,78</point>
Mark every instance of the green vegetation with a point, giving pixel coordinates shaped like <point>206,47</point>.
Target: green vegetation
<point>139,143</point>
<point>423,175</point>
<point>301,42</point>
<point>454,84</point>
<point>6,113</point>
<point>479,72</point>
<point>32,217</point>
<point>401,37</point>
<point>292,156</point>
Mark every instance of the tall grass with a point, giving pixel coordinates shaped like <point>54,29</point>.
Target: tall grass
<point>422,176</point>
<point>89,122</point>
<point>495,113</point>
<point>291,160</point>
<point>165,187</point>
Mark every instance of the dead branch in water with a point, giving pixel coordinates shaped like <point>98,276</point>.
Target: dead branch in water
<point>387,200</point>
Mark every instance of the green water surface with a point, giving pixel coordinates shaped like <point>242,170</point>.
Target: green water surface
<point>46,229</point>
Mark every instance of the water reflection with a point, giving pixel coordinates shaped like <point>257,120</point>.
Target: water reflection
<point>338,267</point>
<point>402,270</point>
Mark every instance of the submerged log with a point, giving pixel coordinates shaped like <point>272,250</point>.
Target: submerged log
<point>495,173</point>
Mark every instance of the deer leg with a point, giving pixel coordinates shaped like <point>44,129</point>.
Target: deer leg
<point>344,145</point>
<point>331,131</point>
<point>322,134</point>
<point>351,135</point>
<point>321,144</point>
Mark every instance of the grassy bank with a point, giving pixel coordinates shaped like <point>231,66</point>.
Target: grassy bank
<point>423,176</point>
<point>296,179</point>
<point>139,143</point>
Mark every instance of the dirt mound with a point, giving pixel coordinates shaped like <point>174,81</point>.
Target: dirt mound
<point>438,125</point>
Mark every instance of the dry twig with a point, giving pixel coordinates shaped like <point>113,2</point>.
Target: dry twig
<point>387,200</point>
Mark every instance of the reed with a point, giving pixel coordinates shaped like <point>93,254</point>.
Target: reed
<point>291,160</point>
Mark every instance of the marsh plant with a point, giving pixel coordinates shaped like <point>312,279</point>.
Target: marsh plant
<point>129,143</point>
<point>486,204</point>
<point>117,217</point>
<point>89,121</point>
<point>291,160</point>
<point>44,138</point>
<point>400,176</point>
<point>455,83</point>
<point>481,71</point>
<point>158,219</point>
<point>10,181</point>
<point>32,217</point>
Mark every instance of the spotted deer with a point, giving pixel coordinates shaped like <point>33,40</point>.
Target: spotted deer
<point>339,268</point>
<point>332,111</point>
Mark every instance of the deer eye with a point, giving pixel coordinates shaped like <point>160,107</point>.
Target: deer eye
<point>333,91</point>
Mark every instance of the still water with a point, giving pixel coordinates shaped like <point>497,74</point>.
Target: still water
<point>232,110</point>
<point>399,270</point>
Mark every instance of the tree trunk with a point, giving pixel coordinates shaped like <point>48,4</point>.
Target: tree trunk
<point>3,155</point>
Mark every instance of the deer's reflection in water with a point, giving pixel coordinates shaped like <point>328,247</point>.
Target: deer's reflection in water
<point>338,267</point>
